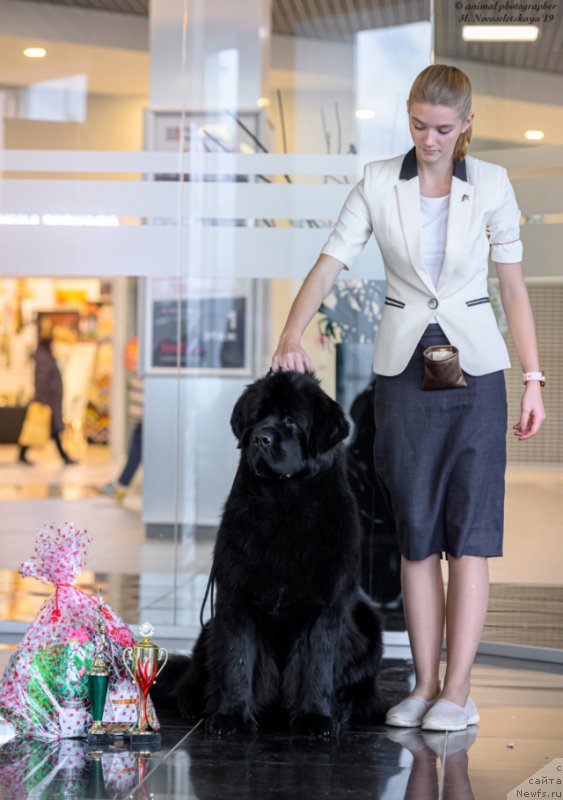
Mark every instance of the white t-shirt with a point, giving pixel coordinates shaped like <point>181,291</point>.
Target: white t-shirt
<point>434,221</point>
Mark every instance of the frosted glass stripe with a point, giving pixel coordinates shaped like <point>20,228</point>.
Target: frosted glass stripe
<point>221,200</point>
<point>87,161</point>
<point>220,252</point>
<point>517,159</point>
<point>152,250</point>
<point>161,199</point>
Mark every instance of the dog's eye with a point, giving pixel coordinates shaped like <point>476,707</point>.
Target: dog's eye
<point>290,422</point>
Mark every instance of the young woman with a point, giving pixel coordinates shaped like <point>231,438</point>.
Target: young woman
<point>437,215</point>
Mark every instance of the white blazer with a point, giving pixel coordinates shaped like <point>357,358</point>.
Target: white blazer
<point>483,219</point>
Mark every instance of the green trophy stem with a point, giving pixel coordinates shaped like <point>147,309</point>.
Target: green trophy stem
<point>97,691</point>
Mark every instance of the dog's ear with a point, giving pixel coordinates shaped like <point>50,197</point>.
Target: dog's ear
<point>245,413</point>
<point>329,425</point>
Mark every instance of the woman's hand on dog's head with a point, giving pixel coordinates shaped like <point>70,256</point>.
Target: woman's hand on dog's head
<point>291,356</point>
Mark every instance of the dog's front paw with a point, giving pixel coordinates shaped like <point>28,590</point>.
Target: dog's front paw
<point>227,724</point>
<point>308,724</point>
<point>188,710</point>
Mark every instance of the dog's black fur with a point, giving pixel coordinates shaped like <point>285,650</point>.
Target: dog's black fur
<point>293,636</point>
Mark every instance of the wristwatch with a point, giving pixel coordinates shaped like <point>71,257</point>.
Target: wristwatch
<point>533,376</point>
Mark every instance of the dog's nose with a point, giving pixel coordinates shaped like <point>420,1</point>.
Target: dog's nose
<point>263,439</point>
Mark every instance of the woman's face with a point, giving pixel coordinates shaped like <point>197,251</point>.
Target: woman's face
<point>435,130</point>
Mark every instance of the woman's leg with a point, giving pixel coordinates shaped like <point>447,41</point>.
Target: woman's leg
<point>466,609</point>
<point>134,456</point>
<point>22,456</point>
<point>424,606</point>
<point>62,452</point>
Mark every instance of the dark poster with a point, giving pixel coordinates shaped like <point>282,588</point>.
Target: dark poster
<point>200,333</point>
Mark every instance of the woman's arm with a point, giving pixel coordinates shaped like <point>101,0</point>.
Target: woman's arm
<point>518,310</point>
<point>318,283</point>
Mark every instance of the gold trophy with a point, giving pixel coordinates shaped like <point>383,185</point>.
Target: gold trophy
<point>144,657</point>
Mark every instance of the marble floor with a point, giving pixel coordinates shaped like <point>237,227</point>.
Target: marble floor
<point>520,733</point>
<point>520,701</point>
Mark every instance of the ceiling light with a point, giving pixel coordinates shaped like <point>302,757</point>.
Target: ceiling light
<point>263,102</point>
<point>500,33</point>
<point>534,135</point>
<point>365,113</point>
<point>35,52</point>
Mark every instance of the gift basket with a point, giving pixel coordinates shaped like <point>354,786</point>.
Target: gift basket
<point>44,690</point>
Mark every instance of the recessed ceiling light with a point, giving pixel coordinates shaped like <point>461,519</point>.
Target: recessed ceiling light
<point>534,135</point>
<point>35,52</point>
<point>365,113</point>
<point>263,102</point>
<point>500,33</point>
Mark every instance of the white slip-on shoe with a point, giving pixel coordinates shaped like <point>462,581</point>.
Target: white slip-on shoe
<point>447,716</point>
<point>409,712</point>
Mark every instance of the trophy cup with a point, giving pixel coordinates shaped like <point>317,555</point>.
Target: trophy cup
<point>144,657</point>
<point>98,679</point>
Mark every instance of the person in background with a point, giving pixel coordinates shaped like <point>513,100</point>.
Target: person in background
<point>49,390</point>
<point>118,489</point>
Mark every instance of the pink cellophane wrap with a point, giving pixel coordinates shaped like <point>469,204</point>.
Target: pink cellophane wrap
<point>44,690</point>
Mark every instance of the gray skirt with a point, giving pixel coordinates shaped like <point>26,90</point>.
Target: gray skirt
<point>440,456</point>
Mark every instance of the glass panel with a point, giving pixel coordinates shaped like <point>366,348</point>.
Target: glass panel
<point>72,127</point>
<point>517,98</point>
<point>252,225</point>
<point>168,182</point>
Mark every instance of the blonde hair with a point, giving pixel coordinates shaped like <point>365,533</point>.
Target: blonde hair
<point>441,85</point>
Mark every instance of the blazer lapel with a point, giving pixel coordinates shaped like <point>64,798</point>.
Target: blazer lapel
<point>408,196</point>
<point>459,215</point>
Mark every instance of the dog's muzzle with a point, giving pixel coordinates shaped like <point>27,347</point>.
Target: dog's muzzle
<point>268,456</point>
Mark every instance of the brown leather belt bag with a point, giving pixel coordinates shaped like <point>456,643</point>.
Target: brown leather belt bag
<point>442,369</point>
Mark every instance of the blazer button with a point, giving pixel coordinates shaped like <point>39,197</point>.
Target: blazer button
<point>432,303</point>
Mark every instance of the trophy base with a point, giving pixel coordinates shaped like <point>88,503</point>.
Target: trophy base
<point>99,739</point>
<point>141,740</point>
<point>114,733</point>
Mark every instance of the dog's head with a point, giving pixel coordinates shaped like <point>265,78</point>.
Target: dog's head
<point>285,423</point>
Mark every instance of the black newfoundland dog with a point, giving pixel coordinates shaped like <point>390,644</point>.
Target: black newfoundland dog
<point>293,639</point>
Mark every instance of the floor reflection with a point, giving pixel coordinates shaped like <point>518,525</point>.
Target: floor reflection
<point>71,769</point>
<point>357,763</point>
<point>428,777</point>
<point>520,731</point>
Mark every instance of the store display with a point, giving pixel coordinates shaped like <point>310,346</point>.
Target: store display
<point>78,314</point>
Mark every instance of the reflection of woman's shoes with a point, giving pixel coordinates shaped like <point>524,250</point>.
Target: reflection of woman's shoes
<point>120,492</point>
<point>408,738</point>
<point>446,743</point>
<point>409,712</point>
<point>69,461</point>
<point>447,716</point>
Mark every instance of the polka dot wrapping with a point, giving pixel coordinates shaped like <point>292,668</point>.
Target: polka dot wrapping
<point>44,689</point>
<point>60,554</point>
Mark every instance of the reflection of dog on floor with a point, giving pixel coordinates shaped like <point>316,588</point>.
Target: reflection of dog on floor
<point>293,637</point>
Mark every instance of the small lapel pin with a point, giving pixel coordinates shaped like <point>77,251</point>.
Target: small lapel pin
<point>464,197</point>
